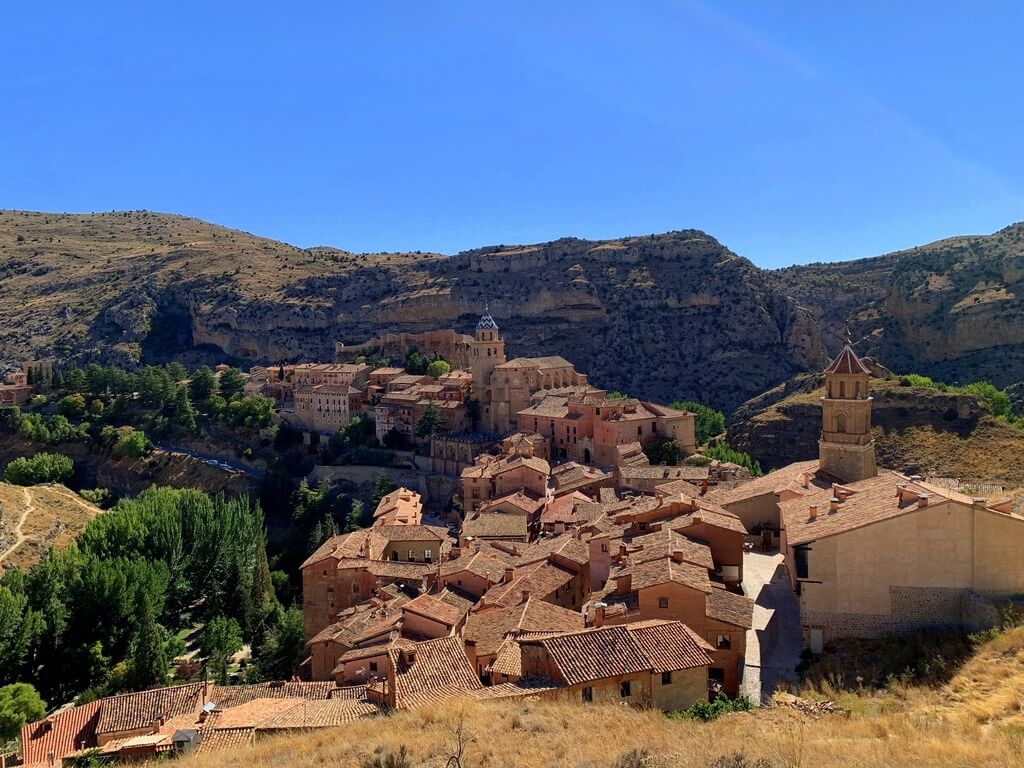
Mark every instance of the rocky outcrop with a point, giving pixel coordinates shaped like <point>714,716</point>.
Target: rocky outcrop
<point>663,317</point>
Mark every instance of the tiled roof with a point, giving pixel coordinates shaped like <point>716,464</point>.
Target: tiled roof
<point>62,733</point>
<point>255,712</point>
<point>410,533</point>
<point>226,696</point>
<point>439,669</point>
<point>664,570</point>
<point>528,687</point>
<point>675,487</point>
<point>344,545</point>
<point>131,711</point>
<point>518,499</point>
<point>563,508</point>
<point>773,482</point>
<point>668,543</point>
<point>538,579</point>
<point>395,569</point>
<point>496,525</point>
<point>565,545</point>
<point>730,608</point>
<point>549,407</point>
<point>847,362</point>
<point>320,714</point>
<point>495,468</point>
<point>670,645</point>
<point>667,474</point>
<point>596,654</point>
<point>435,609</point>
<point>508,660</point>
<point>551,361</point>
<point>709,514</point>
<point>488,628</point>
<point>863,503</point>
<point>487,563</point>
<point>215,739</point>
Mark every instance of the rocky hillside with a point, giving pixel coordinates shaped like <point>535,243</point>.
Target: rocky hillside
<point>952,310</point>
<point>916,429</point>
<point>667,316</point>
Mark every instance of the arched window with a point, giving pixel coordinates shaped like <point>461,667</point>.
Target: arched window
<point>842,389</point>
<point>856,390</point>
<point>840,422</point>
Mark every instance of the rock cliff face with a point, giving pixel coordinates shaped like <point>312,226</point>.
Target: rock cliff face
<point>952,310</point>
<point>663,317</point>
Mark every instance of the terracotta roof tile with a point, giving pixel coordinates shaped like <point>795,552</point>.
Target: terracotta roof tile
<point>62,733</point>
<point>226,696</point>
<point>538,579</point>
<point>215,739</point>
<point>730,608</point>
<point>670,645</point>
<point>433,608</point>
<point>131,711</point>
<point>488,628</point>
<point>847,362</point>
<point>496,525</point>
<point>438,669</point>
<point>596,654</point>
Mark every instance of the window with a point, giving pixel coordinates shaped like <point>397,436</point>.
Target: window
<point>840,422</point>
<point>643,526</point>
<point>373,666</point>
<point>624,689</point>
<point>412,556</point>
<point>394,554</point>
<point>856,390</point>
<point>802,567</point>
<point>724,642</point>
<point>640,429</point>
<point>666,678</point>
<point>588,694</point>
<point>604,547</point>
<point>842,389</point>
<point>663,602</point>
<point>716,675</point>
<point>355,588</point>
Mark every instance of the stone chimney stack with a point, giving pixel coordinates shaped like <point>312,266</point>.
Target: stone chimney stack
<point>813,512</point>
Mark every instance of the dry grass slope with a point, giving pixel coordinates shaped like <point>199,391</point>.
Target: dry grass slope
<point>34,520</point>
<point>975,720</point>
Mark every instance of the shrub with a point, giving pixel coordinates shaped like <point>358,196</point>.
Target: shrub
<point>708,422</point>
<point>20,703</point>
<point>133,444</point>
<point>41,468</point>
<point>711,710</point>
<point>724,452</point>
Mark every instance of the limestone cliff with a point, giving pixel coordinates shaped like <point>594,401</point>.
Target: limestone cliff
<point>663,317</point>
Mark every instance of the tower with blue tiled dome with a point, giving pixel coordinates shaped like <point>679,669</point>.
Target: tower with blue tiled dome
<point>488,352</point>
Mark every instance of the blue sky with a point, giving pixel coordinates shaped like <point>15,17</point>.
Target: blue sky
<point>792,131</point>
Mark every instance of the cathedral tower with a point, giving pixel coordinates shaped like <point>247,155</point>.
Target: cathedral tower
<point>487,352</point>
<point>846,449</point>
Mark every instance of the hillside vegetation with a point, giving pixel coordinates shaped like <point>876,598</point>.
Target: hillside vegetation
<point>972,720</point>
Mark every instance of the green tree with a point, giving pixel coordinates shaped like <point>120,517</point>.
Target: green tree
<point>41,468</point>
<point>230,383</point>
<point>176,371</point>
<point>438,368</point>
<point>20,703</point>
<point>184,413</point>
<point>278,656</point>
<point>202,384</point>
<point>72,406</point>
<point>10,418</point>
<point>220,640</point>
<point>708,423</point>
<point>354,519</point>
<point>430,422</point>
<point>416,362</point>
<point>724,452</point>
<point>148,661</point>
<point>134,444</point>
<point>382,488</point>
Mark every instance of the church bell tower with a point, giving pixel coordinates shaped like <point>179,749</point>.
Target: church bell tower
<point>487,352</point>
<point>846,449</point>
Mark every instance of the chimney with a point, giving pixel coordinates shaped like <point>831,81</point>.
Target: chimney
<point>922,500</point>
<point>509,575</point>
<point>599,615</point>
<point>833,505</point>
<point>525,595</point>
<point>622,550</point>
<point>813,512</point>
<point>623,583</point>
<point>805,480</point>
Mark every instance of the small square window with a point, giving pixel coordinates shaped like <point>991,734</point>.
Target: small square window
<point>373,666</point>
<point>624,689</point>
<point>604,547</point>
<point>588,693</point>
<point>724,642</point>
<point>666,678</point>
<point>663,602</point>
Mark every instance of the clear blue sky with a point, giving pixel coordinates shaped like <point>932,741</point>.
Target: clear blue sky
<point>792,131</point>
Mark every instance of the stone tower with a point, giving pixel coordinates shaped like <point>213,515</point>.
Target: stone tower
<point>846,449</point>
<point>488,351</point>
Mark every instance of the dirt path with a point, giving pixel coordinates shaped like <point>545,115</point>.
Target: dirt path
<point>20,537</point>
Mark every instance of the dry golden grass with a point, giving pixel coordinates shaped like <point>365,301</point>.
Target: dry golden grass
<point>975,720</point>
<point>55,518</point>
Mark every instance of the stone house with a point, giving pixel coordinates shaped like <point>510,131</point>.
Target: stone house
<point>494,477</point>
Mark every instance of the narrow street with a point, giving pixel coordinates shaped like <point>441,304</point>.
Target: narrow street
<point>774,643</point>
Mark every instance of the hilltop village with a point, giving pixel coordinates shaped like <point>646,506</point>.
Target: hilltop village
<point>571,566</point>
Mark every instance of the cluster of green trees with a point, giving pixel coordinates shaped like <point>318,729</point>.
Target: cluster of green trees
<point>20,703</point>
<point>421,365</point>
<point>101,615</point>
<point>999,402</point>
<point>41,468</point>
<point>724,452</point>
<point>708,423</point>
<point>356,443</point>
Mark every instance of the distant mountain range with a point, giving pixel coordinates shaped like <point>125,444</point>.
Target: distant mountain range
<point>666,317</point>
